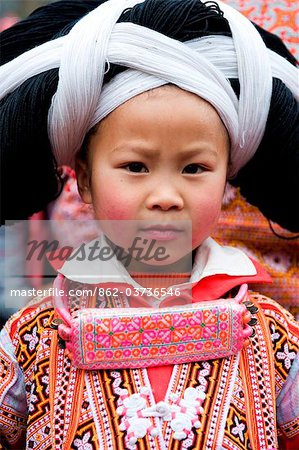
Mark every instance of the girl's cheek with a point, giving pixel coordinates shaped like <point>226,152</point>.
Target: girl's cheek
<point>209,209</point>
<point>205,217</point>
<point>113,207</point>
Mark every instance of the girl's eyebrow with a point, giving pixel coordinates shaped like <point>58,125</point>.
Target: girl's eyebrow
<point>137,148</point>
<point>187,153</point>
<point>199,151</point>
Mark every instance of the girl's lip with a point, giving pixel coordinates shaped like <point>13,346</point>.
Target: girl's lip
<point>162,227</point>
<point>161,233</point>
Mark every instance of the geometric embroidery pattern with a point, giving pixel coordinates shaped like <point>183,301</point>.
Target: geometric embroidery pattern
<point>105,339</point>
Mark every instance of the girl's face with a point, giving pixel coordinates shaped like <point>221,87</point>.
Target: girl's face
<point>161,158</point>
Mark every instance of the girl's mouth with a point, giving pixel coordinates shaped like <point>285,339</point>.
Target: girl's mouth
<point>161,232</point>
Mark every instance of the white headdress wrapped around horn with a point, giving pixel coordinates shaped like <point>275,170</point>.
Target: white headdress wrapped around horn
<point>202,66</point>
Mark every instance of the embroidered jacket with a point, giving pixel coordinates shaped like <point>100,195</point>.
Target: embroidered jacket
<point>62,407</point>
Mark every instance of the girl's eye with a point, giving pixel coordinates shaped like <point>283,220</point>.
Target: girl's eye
<point>136,167</point>
<point>193,169</point>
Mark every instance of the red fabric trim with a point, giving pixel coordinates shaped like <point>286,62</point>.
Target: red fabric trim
<point>289,443</point>
<point>215,286</point>
<point>159,378</point>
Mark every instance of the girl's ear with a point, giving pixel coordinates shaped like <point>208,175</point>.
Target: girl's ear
<point>83,180</point>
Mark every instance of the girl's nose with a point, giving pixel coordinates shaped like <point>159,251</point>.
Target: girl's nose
<point>165,198</point>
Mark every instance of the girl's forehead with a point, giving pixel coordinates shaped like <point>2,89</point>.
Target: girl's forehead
<point>163,111</point>
<point>166,117</point>
<point>164,98</point>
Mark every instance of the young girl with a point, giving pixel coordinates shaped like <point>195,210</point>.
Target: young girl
<point>159,355</point>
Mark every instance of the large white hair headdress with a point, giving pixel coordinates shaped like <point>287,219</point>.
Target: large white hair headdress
<point>202,66</point>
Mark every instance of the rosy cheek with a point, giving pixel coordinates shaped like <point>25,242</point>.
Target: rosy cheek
<point>212,214</point>
<point>209,209</point>
<point>205,217</point>
<point>115,212</point>
<point>113,207</point>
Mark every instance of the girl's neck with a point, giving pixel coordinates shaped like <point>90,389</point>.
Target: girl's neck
<point>158,280</point>
<point>157,276</point>
<point>162,276</point>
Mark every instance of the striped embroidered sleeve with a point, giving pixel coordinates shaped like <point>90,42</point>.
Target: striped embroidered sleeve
<point>13,404</point>
<point>288,399</point>
<point>285,338</point>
